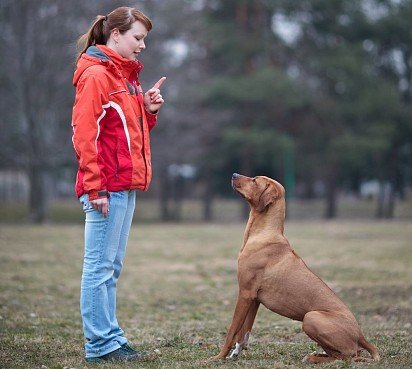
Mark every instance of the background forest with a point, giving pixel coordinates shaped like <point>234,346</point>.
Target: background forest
<point>314,93</point>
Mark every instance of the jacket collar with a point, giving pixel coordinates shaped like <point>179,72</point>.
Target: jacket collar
<point>125,66</point>
<point>101,54</point>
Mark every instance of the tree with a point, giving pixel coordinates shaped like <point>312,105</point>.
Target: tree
<point>37,61</point>
<point>333,54</point>
<point>389,42</point>
<point>247,83</point>
<point>177,139</point>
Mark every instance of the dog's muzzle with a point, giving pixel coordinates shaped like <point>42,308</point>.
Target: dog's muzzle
<point>235,176</point>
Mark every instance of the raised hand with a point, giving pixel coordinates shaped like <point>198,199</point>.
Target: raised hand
<point>153,99</point>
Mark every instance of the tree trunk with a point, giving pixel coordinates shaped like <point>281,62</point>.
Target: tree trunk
<point>38,204</point>
<point>390,208</point>
<point>164,196</point>
<point>386,201</point>
<point>380,200</point>
<point>208,200</point>
<point>178,195</point>
<point>394,183</point>
<point>387,192</point>
<point>32,127</point>
<point>37,164</point>
<point>331,197</point>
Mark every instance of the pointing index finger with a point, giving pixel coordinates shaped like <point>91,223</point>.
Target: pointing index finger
<point>159,82</point>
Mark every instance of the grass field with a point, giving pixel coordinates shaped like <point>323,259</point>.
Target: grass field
<point>178,288</point>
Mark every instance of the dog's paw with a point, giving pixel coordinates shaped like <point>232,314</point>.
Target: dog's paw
<point>235,352</point>
<point>306,358</point>
<point>213,358</point>
<point>309,357</point>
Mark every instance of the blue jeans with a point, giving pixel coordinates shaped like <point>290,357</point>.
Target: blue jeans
<point>105,247</point>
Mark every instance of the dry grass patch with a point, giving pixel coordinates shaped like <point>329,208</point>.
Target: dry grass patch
<point>178,288</point>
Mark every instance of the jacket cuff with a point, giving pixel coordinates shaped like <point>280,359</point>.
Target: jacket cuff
<point>151,119</point>
<point>100,194</point>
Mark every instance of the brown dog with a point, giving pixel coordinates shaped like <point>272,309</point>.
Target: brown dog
<point>270,272</point>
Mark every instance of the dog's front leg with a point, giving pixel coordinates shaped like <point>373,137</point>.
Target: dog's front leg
<point>243,305</point>
<point>242,337</point>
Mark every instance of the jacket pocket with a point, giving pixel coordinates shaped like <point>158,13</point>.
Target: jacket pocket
<point>123,160</point>
<point>87,206</point>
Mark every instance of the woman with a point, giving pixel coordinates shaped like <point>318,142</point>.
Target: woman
<point>111,123</point>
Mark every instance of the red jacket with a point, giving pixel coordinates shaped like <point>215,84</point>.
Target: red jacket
<point>110,124</point>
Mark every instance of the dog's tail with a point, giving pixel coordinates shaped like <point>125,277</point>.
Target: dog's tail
<point>370,348</point>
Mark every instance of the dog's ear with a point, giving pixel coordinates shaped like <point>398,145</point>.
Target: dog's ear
<point>269,195</point>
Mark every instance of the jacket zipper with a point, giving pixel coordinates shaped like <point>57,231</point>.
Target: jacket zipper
<point>140,119</point>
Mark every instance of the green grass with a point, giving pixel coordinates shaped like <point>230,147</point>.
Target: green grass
<point>178,289</point>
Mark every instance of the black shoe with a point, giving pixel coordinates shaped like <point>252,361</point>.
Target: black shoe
<point>121,354</point>
<point>141,354</point>
<point>129,348</point>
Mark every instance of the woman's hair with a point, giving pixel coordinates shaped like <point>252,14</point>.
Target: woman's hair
<point>121,18</point>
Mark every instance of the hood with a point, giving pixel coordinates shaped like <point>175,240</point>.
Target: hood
<point>102,55</point>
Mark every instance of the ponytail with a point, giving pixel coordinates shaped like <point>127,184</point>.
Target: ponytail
<point>121,18</point>
<point>95,35</point>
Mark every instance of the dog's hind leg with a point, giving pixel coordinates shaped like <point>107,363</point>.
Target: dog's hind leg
<point>316,358</point>
<point>242,337</point>
<point>336,333</point>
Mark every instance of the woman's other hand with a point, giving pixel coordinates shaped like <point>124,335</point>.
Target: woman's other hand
<point>101,205</point>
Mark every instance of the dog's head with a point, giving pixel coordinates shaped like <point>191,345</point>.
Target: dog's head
<point>259,191</point>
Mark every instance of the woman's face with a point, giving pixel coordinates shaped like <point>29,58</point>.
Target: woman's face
<point>131,43</point>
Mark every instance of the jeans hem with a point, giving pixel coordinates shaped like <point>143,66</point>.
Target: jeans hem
<point>108,350</point>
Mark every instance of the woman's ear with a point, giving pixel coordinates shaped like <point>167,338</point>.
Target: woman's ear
<point>115,34</point>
